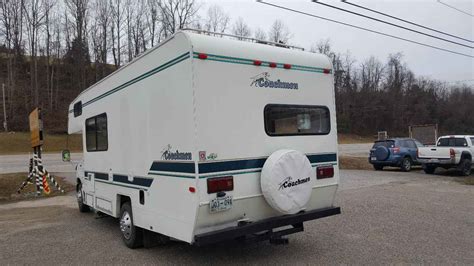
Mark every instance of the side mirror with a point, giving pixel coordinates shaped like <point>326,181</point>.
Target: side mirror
<point>66,154</point>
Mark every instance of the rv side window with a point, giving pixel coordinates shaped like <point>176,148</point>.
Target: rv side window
<point>288,120</point>
<point>77,108</point>
<point>96,133</point>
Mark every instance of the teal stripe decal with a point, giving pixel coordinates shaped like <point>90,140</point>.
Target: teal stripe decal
<point>120,185</point>
<point>254,171</point>
<point>139,78</point>
<point>173,175</point>
<point>244,61</point>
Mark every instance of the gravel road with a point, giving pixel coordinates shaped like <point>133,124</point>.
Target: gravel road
<point>52,161</point>
<point>387,217</point>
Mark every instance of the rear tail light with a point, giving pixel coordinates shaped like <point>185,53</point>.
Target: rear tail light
<point>257,62</point>
<point>326,171</point>
<point>202,56</point>
<point>272,64</point>
<point>452,154</point>
<point>286,66</point>
<point>218,184</point>
<point>396,150</point>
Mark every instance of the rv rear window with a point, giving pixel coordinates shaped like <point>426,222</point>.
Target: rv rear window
<point>288,120</point>
<point>96,133</point>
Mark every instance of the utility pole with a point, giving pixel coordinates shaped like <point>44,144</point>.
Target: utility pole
<point>5,126</point>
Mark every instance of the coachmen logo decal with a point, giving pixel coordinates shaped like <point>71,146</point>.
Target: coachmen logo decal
<point>168,154</point>
<point>263,81</point>
<point>288,182</point>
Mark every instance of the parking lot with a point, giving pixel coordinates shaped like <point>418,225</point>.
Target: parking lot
<point>387,217</point>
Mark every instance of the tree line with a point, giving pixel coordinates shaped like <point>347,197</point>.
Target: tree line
<point>372,96</point>
<point>52,50</point>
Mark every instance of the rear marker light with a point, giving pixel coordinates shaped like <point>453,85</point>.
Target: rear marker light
<point>326,71</point>
<point>324,172</point>
<point>202,56</point>
<point>218,184</point>
<point>192,189</point>
<point>452,154</point>
<point>287,66</point>
<point>273,65</point>
<point>257,62</point>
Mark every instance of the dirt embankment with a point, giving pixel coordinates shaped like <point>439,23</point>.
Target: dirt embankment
<point>9,184</point>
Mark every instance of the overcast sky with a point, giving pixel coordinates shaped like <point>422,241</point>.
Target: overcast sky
<point>423,61</point>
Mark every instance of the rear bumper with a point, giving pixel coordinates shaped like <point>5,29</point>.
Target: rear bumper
<point>434,161</point>
<point>295,220</point>
<point>391,161</point>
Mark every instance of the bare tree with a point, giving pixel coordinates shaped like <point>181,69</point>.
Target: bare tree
<point>11,20</point>
<point>116,30</point>
<point>176,14</point>
<point>322,47</point>
<point>279,32</point>
<point>152,19</point>
<point>34,11</point>
<point>79,52</point>
<point>371,74</point>
<point>239,28</point>
<point>217,20</point>
<point>49,88</point>
<point>260,34</point>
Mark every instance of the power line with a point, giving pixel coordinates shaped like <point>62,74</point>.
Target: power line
<point>406,21</point>
<point>462,11</point>
<point>365,29</point>
<point>392,24</point>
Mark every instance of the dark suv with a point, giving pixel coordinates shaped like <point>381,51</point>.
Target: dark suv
<point>397,152</point>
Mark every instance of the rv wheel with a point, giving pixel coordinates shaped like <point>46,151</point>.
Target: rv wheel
<point>131,235</point>
<point>80,199</point>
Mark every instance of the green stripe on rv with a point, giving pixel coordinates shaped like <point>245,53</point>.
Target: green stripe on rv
<point>139,78</point>
<point>121,185</point>
<point>228,173</point>
<point>245,61</point>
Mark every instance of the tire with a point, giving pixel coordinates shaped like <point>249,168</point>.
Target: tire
<point>429,169</point>
<point>132,236</point>
<point>406,164</point>
<point>378,167</point>
<point>80,199</point>
<point>465,167</point>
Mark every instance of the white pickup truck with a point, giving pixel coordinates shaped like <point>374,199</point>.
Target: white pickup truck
<point>449,152</point>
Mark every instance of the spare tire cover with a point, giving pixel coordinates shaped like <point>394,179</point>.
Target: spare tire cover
<point>287,181</point>
<point>381,153</point>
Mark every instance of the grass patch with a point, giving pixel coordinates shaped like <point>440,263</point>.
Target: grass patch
<point>358,163</point>
<point>353,139</point>
<point>19,142</point>
<point>9,183</point>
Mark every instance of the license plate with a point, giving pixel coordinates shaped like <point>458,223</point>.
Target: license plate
<point>433,160</point>
<point>373,158</point>
<point>220,204</point>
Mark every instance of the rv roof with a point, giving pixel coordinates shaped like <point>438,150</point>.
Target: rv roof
<point>237,49</point>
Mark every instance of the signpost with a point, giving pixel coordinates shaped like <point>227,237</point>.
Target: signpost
<point>5,125</point>
<point>37,170</point>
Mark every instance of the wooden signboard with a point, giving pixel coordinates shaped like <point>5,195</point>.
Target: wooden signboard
<point>36,128</point>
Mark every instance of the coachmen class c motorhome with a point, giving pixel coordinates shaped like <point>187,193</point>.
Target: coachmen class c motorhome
<point>204,139</point>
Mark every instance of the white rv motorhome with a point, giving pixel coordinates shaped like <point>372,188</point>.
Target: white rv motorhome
<point>204,139</point>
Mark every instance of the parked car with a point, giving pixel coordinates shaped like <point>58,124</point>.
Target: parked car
<point>396,152</point>
<point>449,152</point>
